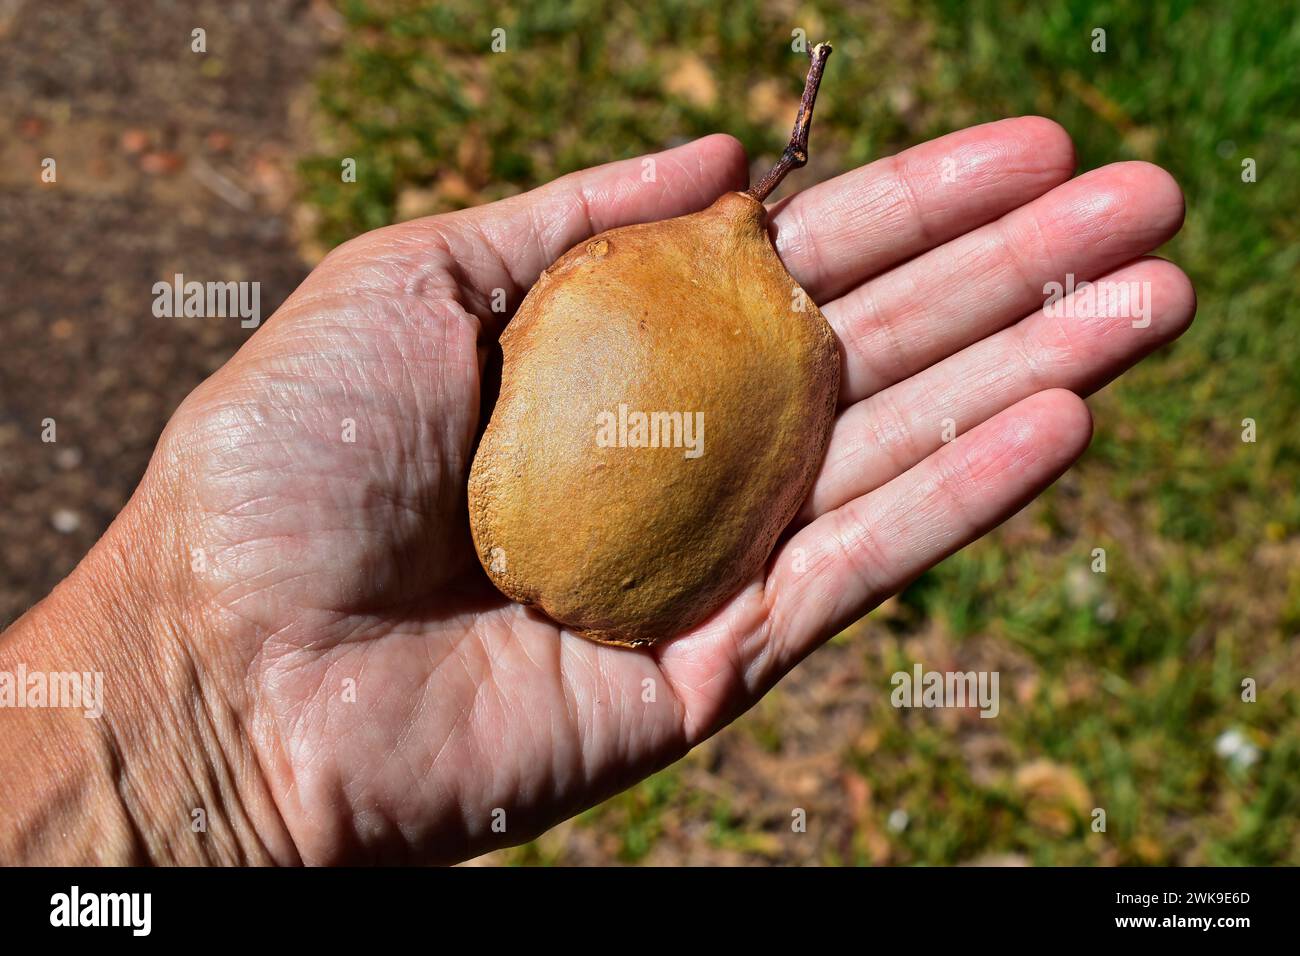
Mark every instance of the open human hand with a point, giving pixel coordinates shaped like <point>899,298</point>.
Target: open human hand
<point>329,671</point>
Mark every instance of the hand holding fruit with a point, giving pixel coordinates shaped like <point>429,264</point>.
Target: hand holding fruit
<point>340,673</point>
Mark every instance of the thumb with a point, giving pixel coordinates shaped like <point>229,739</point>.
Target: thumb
<point>507,244</point>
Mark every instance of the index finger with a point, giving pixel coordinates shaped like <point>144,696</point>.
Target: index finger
<point>840,233</point>
<point>524,234</point>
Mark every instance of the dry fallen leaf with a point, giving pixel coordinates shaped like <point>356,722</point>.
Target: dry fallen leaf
<point>1055,795</point>
<point>770,103</point>
<point>413,202</point>
<point>692,80</point>
<point>161,162</point>
<point>134,141</point>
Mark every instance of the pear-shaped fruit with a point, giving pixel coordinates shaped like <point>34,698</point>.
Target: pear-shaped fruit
<point>667,394</point>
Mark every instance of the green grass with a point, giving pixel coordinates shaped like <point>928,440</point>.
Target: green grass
<point>1182,505</point>
<point>1135,672</point>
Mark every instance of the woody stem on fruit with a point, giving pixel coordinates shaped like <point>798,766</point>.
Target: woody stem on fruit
<point>796,153</point>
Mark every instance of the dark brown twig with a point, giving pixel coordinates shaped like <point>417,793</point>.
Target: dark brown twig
<point>796,153</point>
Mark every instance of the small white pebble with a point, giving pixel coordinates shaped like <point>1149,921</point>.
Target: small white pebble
<point>65,521</point>
<point>898,821</point>
<point>1236,748</point>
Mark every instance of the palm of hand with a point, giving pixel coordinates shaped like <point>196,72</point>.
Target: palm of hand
<point>400,707</point>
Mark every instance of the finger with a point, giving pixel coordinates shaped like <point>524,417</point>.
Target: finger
<point>503,246</point>
<point>839,233</point>
<point>526,233</point>
<point>1071,347</point>
<point>927,309</point>
<point>847,561</point>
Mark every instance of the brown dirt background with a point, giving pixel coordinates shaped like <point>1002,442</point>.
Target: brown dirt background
<point>168,162</point>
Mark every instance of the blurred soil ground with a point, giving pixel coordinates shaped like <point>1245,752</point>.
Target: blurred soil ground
<point>168,162</point>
